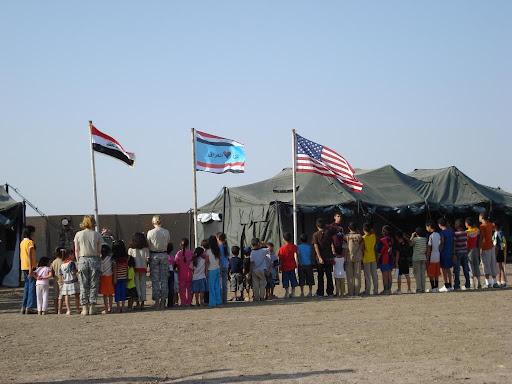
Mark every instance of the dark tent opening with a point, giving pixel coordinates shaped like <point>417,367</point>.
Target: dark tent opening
<point>11,225</point>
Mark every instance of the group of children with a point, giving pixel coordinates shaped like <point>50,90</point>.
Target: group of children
<point>196,274</point>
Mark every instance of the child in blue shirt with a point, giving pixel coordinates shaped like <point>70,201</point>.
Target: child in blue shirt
<point>305,269</point>
<point>447,255</point>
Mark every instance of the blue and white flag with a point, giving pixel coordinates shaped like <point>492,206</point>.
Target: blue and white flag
<point>218,155</point>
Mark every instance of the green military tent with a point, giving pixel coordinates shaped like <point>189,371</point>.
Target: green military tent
<point>11,224</point>
<point>264,209</point>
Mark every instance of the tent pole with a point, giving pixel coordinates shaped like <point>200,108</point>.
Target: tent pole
<point>193,134</point>
<point>94,192</point>
<point>294,185</point>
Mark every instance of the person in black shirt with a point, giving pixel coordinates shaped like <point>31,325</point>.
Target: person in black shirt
<point>322,241</point>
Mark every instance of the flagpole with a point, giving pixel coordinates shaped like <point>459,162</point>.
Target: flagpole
<point>192,132</point>
<point>294,185</point>
<point>95,194</point>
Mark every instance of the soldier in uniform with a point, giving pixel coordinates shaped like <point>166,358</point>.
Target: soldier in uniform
<point>66,234</point>
<point>158,239</point>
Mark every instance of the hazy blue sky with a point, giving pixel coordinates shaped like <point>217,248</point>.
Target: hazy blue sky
<point>408,83</point>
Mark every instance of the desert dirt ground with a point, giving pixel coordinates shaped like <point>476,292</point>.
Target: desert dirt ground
<point>457,337</point>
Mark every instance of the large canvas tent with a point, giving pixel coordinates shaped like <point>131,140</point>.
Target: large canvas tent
<point>263,209</point>
<point>11,224</point>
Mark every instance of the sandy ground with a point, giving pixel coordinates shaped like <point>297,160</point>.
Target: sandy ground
<point>458,337</point>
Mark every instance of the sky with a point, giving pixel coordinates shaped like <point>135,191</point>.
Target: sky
<point>415,84</point>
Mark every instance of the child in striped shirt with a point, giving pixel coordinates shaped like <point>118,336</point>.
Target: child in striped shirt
<point>460,251</point>
<point>418,243</point>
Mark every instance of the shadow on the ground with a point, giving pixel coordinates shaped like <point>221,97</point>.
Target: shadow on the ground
<point>198,377</point>
<point>10,300</point>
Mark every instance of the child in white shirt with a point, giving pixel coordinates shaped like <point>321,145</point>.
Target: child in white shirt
<point>339,274</point>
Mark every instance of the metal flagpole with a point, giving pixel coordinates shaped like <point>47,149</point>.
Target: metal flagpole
<point>294,185</point>
<point>95,194</point>
<point>224,210</point>
<point>192,132</point>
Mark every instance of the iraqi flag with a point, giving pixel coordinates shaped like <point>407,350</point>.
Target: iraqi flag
<point>217,154</point>
<point>109,146</point>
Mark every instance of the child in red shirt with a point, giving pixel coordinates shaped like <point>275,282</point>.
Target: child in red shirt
<point>286,256</point>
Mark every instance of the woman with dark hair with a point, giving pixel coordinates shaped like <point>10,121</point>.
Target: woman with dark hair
<point>213,271</point>
<point>28,265</point>
<point>140,252</point>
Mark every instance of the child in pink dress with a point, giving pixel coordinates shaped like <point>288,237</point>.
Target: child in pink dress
<point>185,273</point>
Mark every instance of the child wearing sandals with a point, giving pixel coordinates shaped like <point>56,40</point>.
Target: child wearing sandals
<point>70,285</point>
<point>106,279</point>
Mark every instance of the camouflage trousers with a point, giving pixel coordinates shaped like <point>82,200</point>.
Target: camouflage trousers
<point>159,272</point>
<point>89,272</point>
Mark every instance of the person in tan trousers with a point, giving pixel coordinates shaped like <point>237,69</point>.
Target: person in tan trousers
<point>355,251</point>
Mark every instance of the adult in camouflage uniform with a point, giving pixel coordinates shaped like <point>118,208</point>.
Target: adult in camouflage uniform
<point>66,235</point>
<point>87,250</point>
<point>158,238</point>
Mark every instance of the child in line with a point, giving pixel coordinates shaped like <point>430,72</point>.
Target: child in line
<point>120,257</point>
<point>402,261</point>
<point>139,251</point>
<point>131,286</point>
<point>433,256</point>
<point>172,280</point>
<point>258,268</point>
<point>246,264</point>
<point>446,249</point>
<point>213,268</point>
<point>419,258</point>
<point>500,244</point>
<point>42,275</point>
<point>473,234</point>
<point>236,276</point>
<point>106,279</point>
<point>198,285</point>
<point>185,273</point>
<point>487,251</point>
<point>339,272</point>
<point>385,251</point>
<point>206,296</point>
<point>70,285</point>
<point>306,268</point>
<point>275,268</point>
<point>460,253</point>
<point>268,276</point>
<point>370,260</point>
<point>60,253</point>
<point>286,256</point>
<point>354,256</point>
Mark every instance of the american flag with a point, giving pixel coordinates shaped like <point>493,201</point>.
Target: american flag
<point>315,158</point>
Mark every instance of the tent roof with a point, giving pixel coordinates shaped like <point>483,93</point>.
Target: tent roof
<point>312,190</point>
<point>450,186</point>
<point>6,201</point>
<point>382,187</point>
<point>387,186</point>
